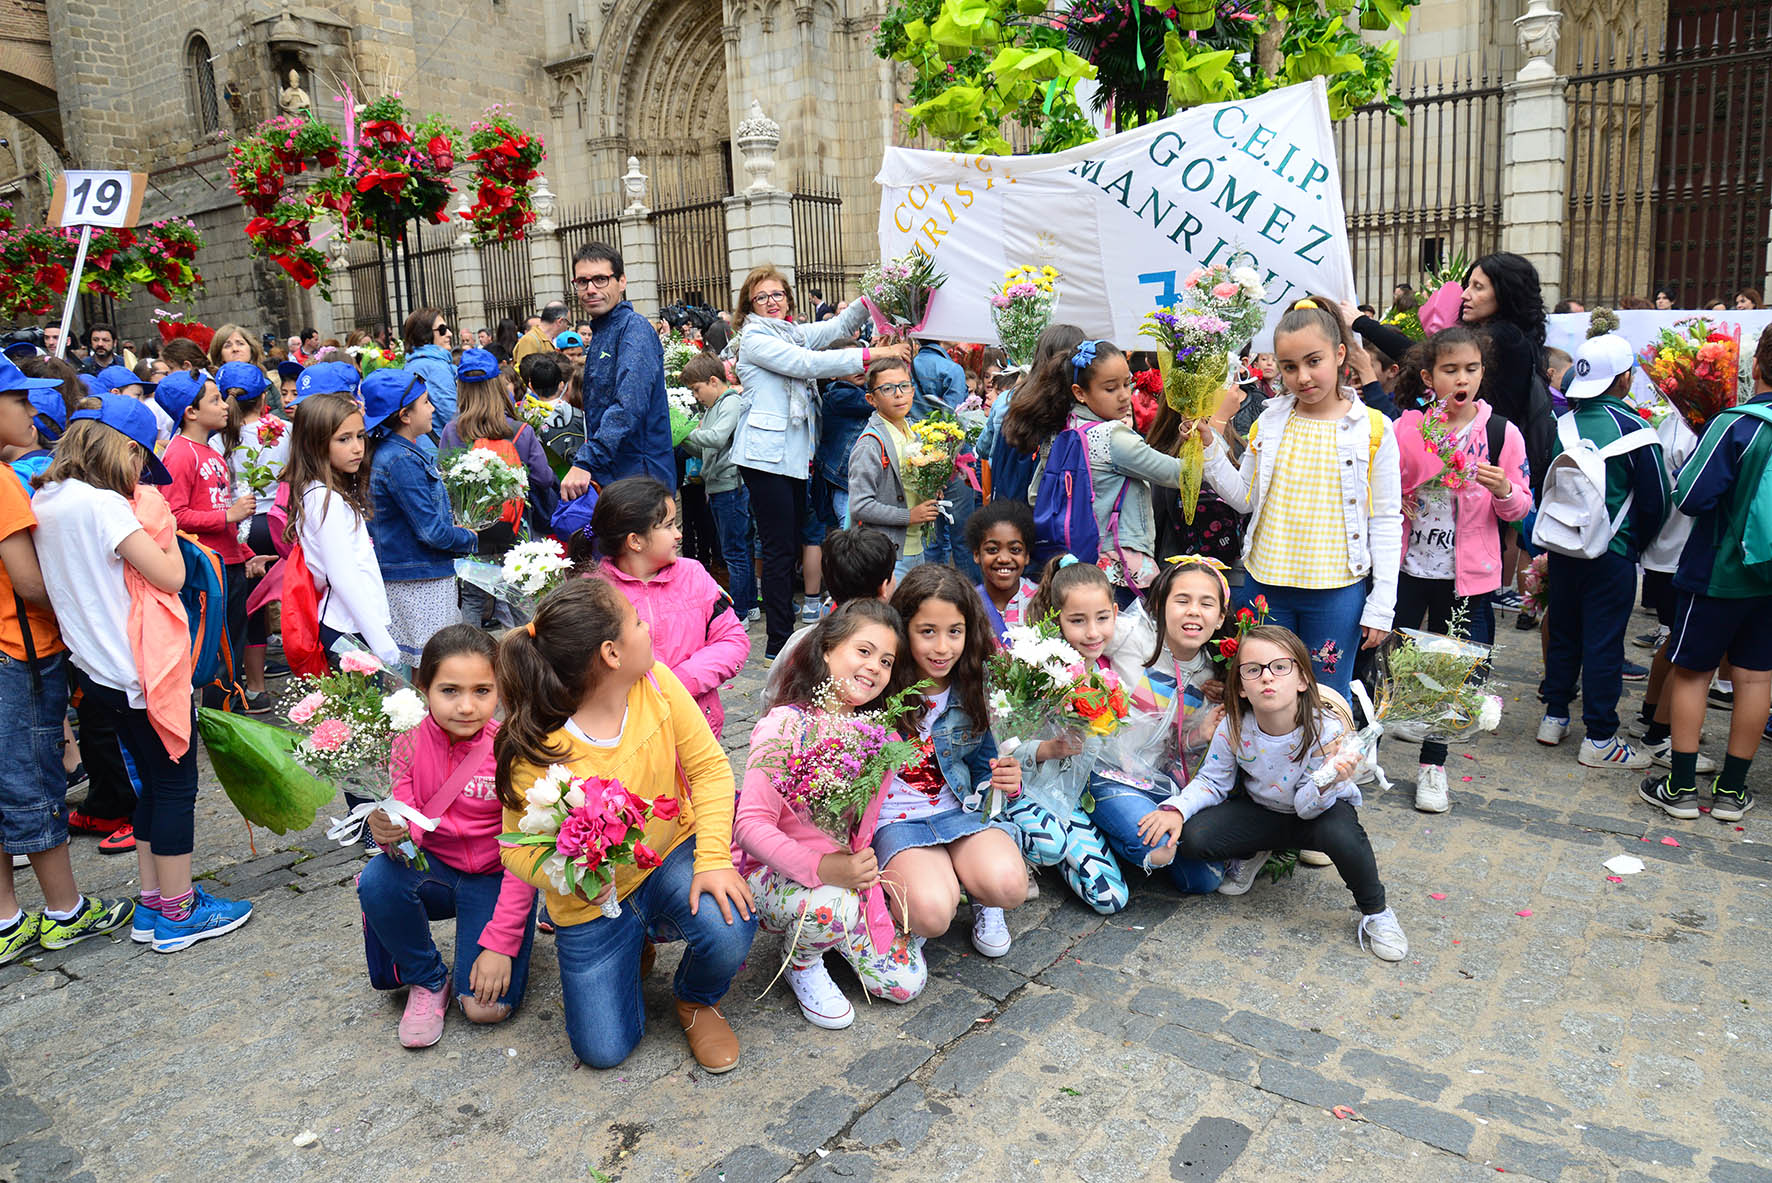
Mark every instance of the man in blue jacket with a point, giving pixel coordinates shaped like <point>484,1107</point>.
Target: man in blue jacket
<point>627,420</point>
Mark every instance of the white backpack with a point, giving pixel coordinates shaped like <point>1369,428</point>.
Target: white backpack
<point>1572,518</point>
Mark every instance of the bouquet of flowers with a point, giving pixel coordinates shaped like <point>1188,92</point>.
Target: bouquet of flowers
<point>528,573</point>
<point>679,348</point>
<point>1028,682</point>
<point>480,484</point>
<point>583,828</point>
<point>1697,367</point>
<point>1433,686</point>
<point>1021,308</point>
<point>1406,321</point>
<point>898,293</point>
<point>1535,585</point>
<point>685,412</point>
<point>259,475</point>
<point>1197,348</point>
<point>832,769</point>
<point>1098,702</point>
<point>1445,304</point>
<point>535,413</point>
<point>1457,466</point>
<point>928,465</point>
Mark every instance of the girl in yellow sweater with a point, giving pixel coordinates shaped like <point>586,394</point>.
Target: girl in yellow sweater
<point>581,689</point>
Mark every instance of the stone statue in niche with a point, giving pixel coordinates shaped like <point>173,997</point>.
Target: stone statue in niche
<point>294,99</point>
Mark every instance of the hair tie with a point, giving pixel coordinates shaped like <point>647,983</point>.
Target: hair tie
<point>1307,302</point>
<point>1066,560</point>
<point>530,628</point>
<point>1084,357</point>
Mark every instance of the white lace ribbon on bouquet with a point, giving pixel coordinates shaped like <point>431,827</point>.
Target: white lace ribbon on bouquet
<point>349,828</point>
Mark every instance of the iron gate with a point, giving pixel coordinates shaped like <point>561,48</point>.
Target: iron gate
<point>818,246</point>
<point>692,258</point>
<point>504,267</point>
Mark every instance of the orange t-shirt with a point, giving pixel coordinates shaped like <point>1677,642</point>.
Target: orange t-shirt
<point>16,515</point>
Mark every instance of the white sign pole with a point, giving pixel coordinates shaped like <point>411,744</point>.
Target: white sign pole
<point>61,344</point>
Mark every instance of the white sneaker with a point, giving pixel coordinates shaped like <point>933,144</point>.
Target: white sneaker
<point>1663,755</point>
<point>990,931</point>
<point>1385,936</point>
<point>1431,794</point>
<point>1239,874</point>
<point>821,1001</point>
<point>753,616</point>
<point>1551,730</point>
<point>1613,753</point>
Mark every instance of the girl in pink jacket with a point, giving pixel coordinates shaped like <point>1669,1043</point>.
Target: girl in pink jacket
<point>694,629</point>
<point>444,768</point>
<point>1464,473</point>
<point>823,895</point>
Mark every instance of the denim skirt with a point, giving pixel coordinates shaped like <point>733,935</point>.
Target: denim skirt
<point>938,829</point>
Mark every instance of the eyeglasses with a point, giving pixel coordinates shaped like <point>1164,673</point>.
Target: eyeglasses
<point>769,297</point>
<point>894,388</point>
<point>1279,667</point>
<point>441,330</point>
<point>581,282</point>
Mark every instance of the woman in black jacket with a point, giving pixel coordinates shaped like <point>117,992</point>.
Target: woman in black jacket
<point>1502,299</point>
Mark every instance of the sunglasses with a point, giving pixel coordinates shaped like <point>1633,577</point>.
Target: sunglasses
<point>441,330</point>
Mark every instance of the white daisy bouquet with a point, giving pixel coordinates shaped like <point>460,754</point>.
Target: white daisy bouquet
<point>582,828</point>
<point>1021,308</point>
<point>480,484</point>
<point>685,412</point>
<point>536,568</point>
<point>678,350</point>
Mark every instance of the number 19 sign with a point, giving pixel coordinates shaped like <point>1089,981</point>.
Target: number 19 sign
<point>88,198</point>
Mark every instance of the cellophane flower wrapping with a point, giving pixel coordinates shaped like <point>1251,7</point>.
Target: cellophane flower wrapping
<point>899,291</point>
<point>830,768</point>
<point>1197,341</point>
<point>1021,308</point>
<point>1696,366</point>
<point>1028,681</point>
<point>928,464</point>
<point>479,483</point>
<point>1435,687</point>
<point>582,828</point>
<point>1458,465</point>
<point>526,575</point>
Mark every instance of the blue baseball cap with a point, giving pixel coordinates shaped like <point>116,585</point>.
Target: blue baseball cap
<point>569,340</point>
<point>132,418</point>
<point>114,378</point>
<point>49,411</point>
<point>388,392</point>
<point>244,377</point>
<point>476,365</point>
<point>12,378</point>
<point>289,369</point>
<point>95,385</point>
<point>19,350</point>
<point>327,377</point>
<point>178,390</point>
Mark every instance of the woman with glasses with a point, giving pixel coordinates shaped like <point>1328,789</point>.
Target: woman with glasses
<point>430,353</point>
<point>779,364</point>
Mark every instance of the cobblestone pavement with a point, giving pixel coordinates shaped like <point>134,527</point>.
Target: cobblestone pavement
<point>1549,1023</point>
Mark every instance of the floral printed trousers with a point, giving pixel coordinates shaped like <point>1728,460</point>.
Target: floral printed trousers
<point>833,924</point>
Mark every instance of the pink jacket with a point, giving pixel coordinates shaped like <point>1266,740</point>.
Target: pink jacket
<point>467,831</point>
<point>694,630</point>
<point>1476,550</point>
<point>769,833</point>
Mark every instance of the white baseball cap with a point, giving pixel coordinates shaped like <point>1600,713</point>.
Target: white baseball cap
<point>1600,360</point>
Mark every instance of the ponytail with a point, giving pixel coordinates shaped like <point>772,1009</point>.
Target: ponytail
<point>545,672</point>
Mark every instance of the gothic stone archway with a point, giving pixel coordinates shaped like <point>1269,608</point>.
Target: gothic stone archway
<point>663,65</point>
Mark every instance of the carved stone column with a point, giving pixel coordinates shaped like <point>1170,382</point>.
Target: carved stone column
<point>547,254</point>
<point>760,219</point>
<point>639,241</point>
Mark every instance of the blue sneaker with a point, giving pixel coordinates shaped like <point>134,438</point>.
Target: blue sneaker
<point>210,917</point>
<point>141,928</point>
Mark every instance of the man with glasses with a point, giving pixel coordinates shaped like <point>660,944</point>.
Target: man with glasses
<point>627,420</point>
<point>540,339</point>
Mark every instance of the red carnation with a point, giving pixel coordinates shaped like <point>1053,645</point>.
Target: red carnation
<point>442,152</point>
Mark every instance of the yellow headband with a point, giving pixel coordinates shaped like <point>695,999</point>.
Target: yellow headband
<point>1215,566</point>
<point>1307,302</point>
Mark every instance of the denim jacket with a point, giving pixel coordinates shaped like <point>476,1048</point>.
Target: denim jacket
<point>963,755</point>
<point>413,529</point>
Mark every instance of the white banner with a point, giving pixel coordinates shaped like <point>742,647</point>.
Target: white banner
<point>1126,218</point>
<point>1567,330</point>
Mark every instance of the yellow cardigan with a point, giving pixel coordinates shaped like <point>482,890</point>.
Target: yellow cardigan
<point>663,725</point>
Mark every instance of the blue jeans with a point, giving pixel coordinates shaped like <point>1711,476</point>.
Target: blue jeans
<point>947,541</point>
<point>732,521</point>
<point>33,784</point>
<point>399,903</point>
<point>1590,603</point>
<point>1116,813</point>
<point>600,959</point>
<point>1327,620</point>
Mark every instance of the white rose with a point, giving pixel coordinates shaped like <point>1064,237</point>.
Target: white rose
<point>575,796</point>
<point>1489,718</point>
<point>530,823</point>
<point>554,867</point>
<point>544,793</point>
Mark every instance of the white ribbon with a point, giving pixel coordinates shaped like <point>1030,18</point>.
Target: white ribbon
<point>349,828</point>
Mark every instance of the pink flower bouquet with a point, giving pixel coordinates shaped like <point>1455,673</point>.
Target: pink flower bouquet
<point>583,828</point>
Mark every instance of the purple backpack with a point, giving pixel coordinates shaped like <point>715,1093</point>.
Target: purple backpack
<point>1064,507</point>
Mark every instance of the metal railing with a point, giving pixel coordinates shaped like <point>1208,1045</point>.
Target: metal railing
<point>692,253</point>
<point>1421,191</point>
<point>366,272</point>
<point>504,268</point>
<point>580,225</point>
<point>1668,144</point>
<point>818,245</point>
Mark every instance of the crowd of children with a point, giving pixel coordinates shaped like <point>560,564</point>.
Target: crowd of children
<point>1237,664</point>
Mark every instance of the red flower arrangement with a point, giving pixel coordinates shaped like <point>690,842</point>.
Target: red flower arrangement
<point>36,264</point>
<point>506,159</point>
<point>1247,618</point>
<point>1147,392</point>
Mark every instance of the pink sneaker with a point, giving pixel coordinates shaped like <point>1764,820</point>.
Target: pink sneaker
<point>422,1024</point>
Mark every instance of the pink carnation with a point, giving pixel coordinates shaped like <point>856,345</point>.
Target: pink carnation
<point>330,736</point>
<point>1226,290</point>
<point>359,663</point>
<point>307,708</point>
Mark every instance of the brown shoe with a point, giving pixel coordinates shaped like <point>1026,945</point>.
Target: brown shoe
<point>711,1038</point>
<point>648,958</point>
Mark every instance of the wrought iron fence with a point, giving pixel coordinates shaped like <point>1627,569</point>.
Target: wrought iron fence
<point>692,255</point>
<point>818,244</point>
<point>1419,192</point>
<point>1668,143</point>
<point>504,268</point>
<point>597,222</point>
<point>367,274</point>
<point>433,269</point>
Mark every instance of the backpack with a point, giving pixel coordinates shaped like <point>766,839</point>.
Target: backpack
<point>1064,507</point>
<point>205,597</point>
<point>1572,517</point>
<point>1011,471</point>
<point>506,450</point>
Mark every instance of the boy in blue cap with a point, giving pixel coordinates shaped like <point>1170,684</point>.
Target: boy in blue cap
<point>254,445</point>
<point>327,377</point>
<point>33,701</point>
<point>123,380</point>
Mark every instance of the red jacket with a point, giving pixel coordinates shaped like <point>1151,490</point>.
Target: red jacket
<point>199,497</point>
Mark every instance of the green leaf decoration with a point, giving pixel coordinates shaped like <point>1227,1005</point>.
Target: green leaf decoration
<point>253,763</point>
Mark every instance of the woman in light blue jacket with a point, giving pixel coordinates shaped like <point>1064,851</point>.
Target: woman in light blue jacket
<point>430,345</point>
<point>779,363</point>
